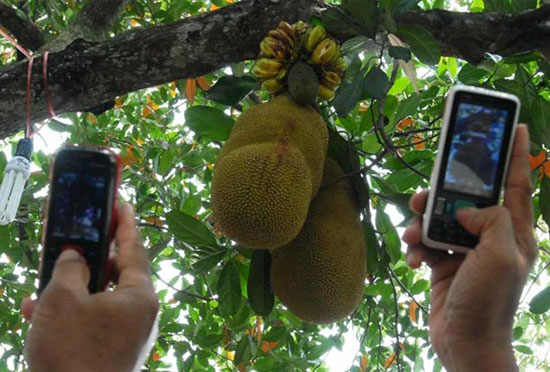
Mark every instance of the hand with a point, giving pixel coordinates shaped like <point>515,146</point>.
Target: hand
<point>474,297</point>
<point>73,330</point>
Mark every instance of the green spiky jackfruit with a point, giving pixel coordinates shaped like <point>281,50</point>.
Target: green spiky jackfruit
<point>267,173</point>
<point>320,275</point>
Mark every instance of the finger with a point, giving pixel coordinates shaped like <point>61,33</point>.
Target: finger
<point>518,192</point>
<point>417,203</point>
<point>133,262</point>
<point>494,227</point>
<point>27,307</point>
<point>413,232</point>
<point>70,271</point>
<point>114,274</point>
<point>416,254</point>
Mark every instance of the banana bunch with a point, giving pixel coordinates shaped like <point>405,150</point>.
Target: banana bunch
<point>287,45</point>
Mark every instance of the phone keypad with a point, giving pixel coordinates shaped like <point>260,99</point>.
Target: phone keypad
<point>445,228</point>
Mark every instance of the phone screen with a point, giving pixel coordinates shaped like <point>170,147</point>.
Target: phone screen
<point>82,190</point>
<point>475,154</point>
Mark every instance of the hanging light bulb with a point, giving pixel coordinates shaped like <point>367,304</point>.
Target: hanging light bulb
<point>16,174</point>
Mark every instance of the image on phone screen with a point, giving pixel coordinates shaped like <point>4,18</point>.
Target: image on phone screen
<point>79,205</point>
<point>475,149</point>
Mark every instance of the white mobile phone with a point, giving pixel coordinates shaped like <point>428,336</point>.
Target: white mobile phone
<point>474,150</point>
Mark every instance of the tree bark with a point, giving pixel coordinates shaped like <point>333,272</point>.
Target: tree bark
<point>26,32</point>
<point>471,35</point>
<point>86,75</point>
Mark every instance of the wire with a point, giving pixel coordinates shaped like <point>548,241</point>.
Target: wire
<point>28,103</point>
<point>15,43</point>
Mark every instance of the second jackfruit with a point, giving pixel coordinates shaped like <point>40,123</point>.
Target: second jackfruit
<point>320,275</point>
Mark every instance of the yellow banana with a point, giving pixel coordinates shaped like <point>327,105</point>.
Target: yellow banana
<point>272,85</point>
<point>314,36</point>
<point>324,52</point>
<point>272,48</point>
<point>325,92</point>
<point>339,65</point>
<point>284,37</point>
<point>266,68</point>
<point>331,79</point>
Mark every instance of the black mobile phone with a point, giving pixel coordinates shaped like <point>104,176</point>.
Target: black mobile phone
<point>471,164</point>
<point>81,210</point>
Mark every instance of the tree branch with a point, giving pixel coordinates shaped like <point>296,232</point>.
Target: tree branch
<point>470,35</point>
<point>25,31</point>
<point>86,75</point>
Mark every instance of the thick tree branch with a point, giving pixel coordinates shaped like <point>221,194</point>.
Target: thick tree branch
<point>26,32</point>
<point>471,35</point>
<point>86,75</point>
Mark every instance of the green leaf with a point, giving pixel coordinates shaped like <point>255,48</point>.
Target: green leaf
<point>373,246</point>
<point>209,122</point>
<point>400,53</point>
<point>389,234</point>
<point>350,91</point>
<point>375,84</point>
<point>347,157</point>
<point>541,302</point>
<point>544,199</point>
<point>539,111</point>
<point>259,291</point>
<point>230,90</point>
<point>524,349</point>
<point>229,290</point>
<point>189,230</point>
<point>205,258</point>
<point>403,5</point>
<point>242,354</point>
<point>365,12</point>
<point>519,6</point>
<point>422,42</point>
<point>3,163</point>
<point>524,57</point>
<point>404,179</point>
<point>501,6</point>
<point>471,75</point>
<point>406,108</point>
<point>338,22</point>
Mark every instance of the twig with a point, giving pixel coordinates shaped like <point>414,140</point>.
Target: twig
<point>379,127</point>
<point>397,349</point>
<point>414,131</point>
<point>535,279</point>
<point>182,291</point>
<point>416,143</point>
<point>420,306</point>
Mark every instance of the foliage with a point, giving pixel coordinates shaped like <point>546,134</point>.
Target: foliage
<point>388,110</point>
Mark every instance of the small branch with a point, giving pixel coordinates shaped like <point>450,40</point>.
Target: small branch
<point>414,131</point>
<point>535,279</point>
<point>24,30</point>
<point>404,288</point>
<point>416,143</point>
<point>182,291</point>
<point>379,127</point>
<point>397,349</point>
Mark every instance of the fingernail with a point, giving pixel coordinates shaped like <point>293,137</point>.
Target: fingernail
<point>411,259</point>
<point>70,254</point>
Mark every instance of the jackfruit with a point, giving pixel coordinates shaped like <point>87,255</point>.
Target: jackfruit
<point>268,172</point>
<point>320,275</point>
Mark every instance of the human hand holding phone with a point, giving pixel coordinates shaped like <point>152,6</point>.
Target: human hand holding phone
<point>73,330</point>
<point>474,297</point>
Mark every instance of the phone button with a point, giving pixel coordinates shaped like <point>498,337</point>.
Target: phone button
<point>439,206</point>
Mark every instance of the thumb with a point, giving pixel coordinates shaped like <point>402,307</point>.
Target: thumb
<point>71,271</point>
<point>493,225</point>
